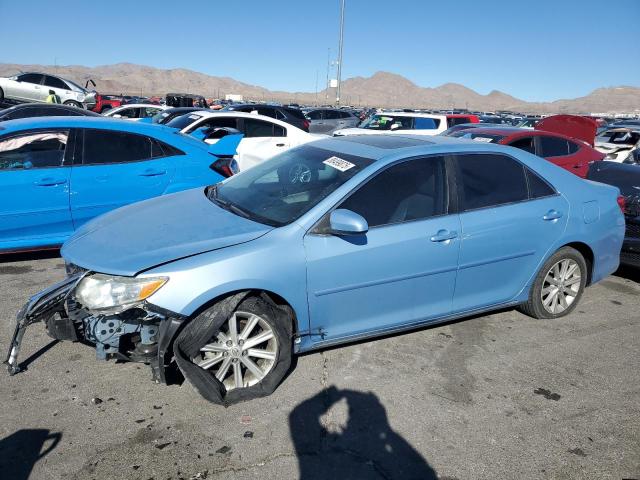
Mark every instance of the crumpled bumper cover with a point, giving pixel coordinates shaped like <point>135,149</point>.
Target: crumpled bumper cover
<point>39,307</point>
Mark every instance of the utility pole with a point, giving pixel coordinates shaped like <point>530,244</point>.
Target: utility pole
<point>340,51</point>
<point>326,91</point>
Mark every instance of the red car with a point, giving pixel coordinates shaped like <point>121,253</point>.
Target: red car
<point>565,140</point>
<point>106,102</point>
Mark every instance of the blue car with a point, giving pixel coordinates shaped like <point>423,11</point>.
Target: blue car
<point>58,172</point>
<point>330,242</point>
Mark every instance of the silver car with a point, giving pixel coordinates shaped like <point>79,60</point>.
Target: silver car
<point>34,87</point>
<point>326,120</point>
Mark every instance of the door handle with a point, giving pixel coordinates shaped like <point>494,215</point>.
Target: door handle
<point>50,182</point>
<point>152,173</point>
<point>578,166</point>
<point>552,215</point>
<point>444,235</point>
<point>279,144</point>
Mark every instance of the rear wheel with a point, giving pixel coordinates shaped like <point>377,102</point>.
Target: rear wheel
<point>73,103</point>
<point>558,285</point>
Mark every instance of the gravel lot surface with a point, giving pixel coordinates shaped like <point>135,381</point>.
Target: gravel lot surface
<point>498,396</point>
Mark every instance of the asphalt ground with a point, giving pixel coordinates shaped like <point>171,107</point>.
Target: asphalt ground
<point>498,396</point>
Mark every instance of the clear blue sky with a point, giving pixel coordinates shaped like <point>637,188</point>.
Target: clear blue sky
<point>534,50</point>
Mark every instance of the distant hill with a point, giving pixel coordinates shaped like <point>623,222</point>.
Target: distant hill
<point>383,89</point>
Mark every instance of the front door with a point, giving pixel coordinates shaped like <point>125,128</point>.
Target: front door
<point>34,189</point>
<point>118,168</point>
<point>509,218</point>
<point>402,270</point>
<point>30,88</point>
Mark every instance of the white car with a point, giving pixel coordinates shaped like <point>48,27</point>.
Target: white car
<point>398,122</point>
<point>34,87</point>
<point>135,111</point>
<point>618,143</point>
<point>263,138</point>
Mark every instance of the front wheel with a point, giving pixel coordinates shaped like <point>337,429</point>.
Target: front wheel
<point>238,349</point>
<point>558,285</point>
<point>73,103</point>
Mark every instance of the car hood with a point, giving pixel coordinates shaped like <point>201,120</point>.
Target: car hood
<point>573,126</point>
<point>140,236</point>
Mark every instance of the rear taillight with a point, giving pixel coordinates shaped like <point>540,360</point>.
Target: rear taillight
<point>225,166</point>
<point>305,125</point>
<point>622,203</point>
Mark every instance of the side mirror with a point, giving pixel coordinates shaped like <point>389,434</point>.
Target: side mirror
<point>346,222</point>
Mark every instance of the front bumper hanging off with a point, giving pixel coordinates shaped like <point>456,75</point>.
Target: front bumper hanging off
<point>39,307</point>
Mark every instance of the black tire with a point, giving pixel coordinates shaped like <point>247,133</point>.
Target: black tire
<point>535,307</point>
<point>73,103</point>
<point>204,329</point>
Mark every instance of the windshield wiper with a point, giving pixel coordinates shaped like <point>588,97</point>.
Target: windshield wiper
<point>213,195</point>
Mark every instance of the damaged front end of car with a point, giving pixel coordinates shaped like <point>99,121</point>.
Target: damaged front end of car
<point>109,312</point>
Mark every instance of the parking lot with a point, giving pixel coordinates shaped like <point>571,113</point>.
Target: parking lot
<point>496,396</point>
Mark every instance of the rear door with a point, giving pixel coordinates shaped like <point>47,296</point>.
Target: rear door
<point>262,140</point>
<point>58,86</point>
<point>562,152</point>
<point>34,185</point>
<point>118,168</point>
<point>316,122</point>
<point>509,218</point>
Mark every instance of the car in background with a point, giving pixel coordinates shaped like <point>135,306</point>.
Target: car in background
<point>294,116</point>
<point>135,111</point>
<point>529,122</point>
<point>461,126</point>
<point>617,143</point>
<point>58,172</point>
<point>165,116</point>
<point>263,137</point>
<point>327,120</point>
<point>106,102</point>
<point>29,110</point>
<point>329,243</point>
<point>571,151</point>
<point>34,87</point>
<point>407,122</point>
<point>627,179</point>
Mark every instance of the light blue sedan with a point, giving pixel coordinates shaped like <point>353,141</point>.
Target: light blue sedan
<point>334,241</point>
<point>56,173</point>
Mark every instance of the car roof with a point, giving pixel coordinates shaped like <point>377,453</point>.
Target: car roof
<point>101,122</point>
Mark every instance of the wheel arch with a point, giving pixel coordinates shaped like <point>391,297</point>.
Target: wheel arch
<point>588,255</point>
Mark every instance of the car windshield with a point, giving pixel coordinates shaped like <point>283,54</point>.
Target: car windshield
<point>385,122</point>
<point>183,121</point>
<point>282,189</point>
<point>74,84</point>
<point>159,117</point>
<point>619,137</point>
<point>478,136</point>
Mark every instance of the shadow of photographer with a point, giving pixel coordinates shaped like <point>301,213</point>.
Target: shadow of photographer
<point>366,447</point>
<point>20,451</point>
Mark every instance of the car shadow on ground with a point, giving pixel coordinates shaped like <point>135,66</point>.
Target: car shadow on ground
<point>361,446</point>
<point>629,273</point>
<point>20,451</point>
<point>28,256</point>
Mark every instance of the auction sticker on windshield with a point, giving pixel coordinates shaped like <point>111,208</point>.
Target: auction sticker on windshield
<point>338,163</point>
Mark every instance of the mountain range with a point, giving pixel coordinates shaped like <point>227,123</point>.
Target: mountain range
<point>383,89</point>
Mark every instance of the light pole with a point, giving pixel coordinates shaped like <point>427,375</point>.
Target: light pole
<point>326,92</point>
<point>340,51</point>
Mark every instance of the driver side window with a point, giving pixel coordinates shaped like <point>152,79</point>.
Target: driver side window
<point>413,190</point>
<point>33,150</point>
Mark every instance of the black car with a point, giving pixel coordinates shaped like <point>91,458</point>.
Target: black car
<point>27,110</point>
<point>627,178</point>
<point>165,116</point>
<point>293,116</point>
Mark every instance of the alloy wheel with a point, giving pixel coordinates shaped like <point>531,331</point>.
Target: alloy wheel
<point>242,353</point>
<point>561,286</point>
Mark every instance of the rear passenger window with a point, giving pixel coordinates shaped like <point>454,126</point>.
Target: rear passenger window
<point>279,131</point>
<point>331,115</point>
<point>257,128</point>
<point>553,147</point>
<point>412,190</point>
<point>315,115</point>
<point>489,180</point>
<point>537,186</point>
<point>525,144</point>
<point>573,147</point>
<point>106,146</point>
